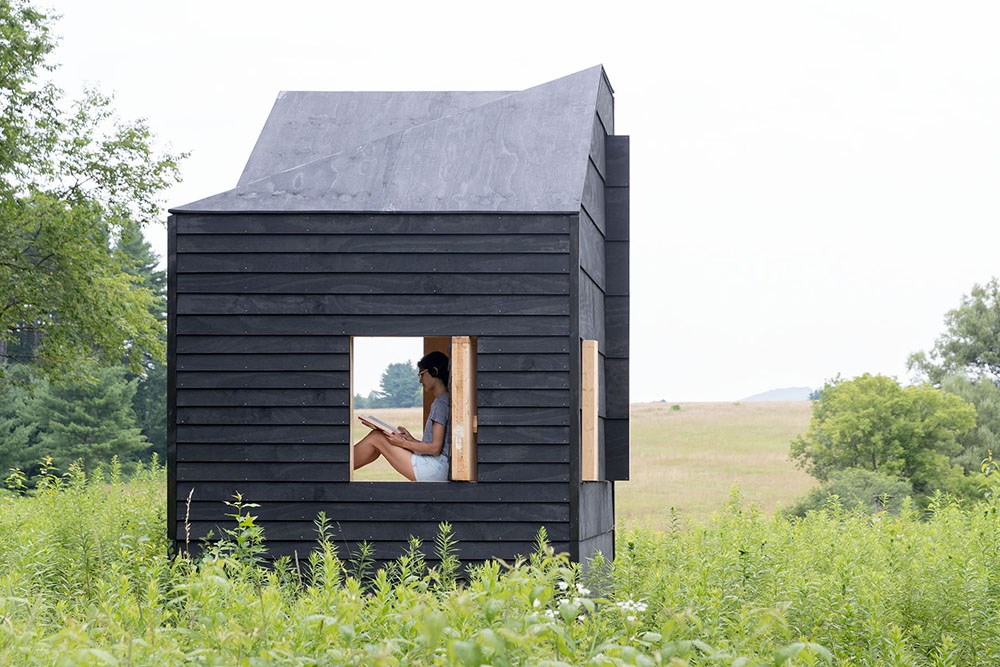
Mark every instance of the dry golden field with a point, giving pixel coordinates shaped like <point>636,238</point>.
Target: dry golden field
<point>688,458</point>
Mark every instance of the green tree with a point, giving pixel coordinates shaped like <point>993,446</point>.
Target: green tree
<point>70,184</point>
<point>873,423</point>
<point>856,488</point>
<point>150,401</point>
<point>970,345</point>
<point>965,361</point>
<point>18,431</point>
<point>400,387</point>
<point>83,419</point>
<point>977,443</point>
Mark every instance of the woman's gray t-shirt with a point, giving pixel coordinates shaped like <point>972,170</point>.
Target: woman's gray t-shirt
<point>440,413</point>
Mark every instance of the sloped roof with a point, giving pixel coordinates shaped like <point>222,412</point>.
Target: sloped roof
<point>523,151</point>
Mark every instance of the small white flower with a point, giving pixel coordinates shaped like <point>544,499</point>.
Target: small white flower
<point>563,585</point>
<point>631,619</point>
<point>537,603</point>
<point>549,614</point>
<point>581,590</point>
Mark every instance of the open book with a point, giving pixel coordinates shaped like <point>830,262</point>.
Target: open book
<point>373,422</point>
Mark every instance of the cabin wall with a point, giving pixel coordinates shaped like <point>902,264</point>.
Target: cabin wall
<point>616,309</point>
<point>262,308</point>
<point>603,316</point>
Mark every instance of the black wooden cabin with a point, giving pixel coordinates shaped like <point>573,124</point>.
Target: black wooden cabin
<point>497,220</point>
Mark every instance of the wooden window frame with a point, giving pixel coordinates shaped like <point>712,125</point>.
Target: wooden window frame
<point>462,356</point>
<point>589,406</point>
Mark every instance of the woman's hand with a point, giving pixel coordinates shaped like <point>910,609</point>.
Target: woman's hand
<point>401,438</point>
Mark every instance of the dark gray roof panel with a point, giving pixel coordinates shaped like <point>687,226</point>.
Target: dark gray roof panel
<point>519,152</point>
<point>305,126</point>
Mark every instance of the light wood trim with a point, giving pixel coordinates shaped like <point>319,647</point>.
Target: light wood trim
<point>463,409</point>
<point>350,423</point>
<point>589,399</point>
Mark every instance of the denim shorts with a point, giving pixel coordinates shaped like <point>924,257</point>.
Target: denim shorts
<point>430,468</point>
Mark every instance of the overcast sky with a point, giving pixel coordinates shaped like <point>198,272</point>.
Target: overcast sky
<point>814,183</point>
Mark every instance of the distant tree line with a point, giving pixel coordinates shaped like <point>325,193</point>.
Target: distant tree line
<point>399,387</point>
<point>873,442</point>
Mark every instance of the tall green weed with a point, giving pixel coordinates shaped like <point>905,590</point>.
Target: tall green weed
<point>85,580</point>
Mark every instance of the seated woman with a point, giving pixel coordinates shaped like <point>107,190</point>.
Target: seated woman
<point>424,460</point>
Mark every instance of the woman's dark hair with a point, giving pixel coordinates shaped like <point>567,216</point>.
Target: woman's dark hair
<point>435,363</point>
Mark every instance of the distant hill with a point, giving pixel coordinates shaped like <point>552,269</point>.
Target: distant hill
<point>785,394</point>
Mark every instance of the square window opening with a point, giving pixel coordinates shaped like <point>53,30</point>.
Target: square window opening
<point>386,390</point>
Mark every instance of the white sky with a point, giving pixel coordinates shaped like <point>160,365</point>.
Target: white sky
<point>814,183</point>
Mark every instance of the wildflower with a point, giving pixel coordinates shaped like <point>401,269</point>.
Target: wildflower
<point>562,585</point>
<point>537,603</point>
<point>632,607</point>
<point>581,590</point>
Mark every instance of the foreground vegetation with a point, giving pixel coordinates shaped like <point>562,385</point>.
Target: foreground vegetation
<point>85,580</point>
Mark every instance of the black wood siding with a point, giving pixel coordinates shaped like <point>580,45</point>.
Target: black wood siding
<point>262,311</point>
<point>602,315</point>
<point>616,309</point>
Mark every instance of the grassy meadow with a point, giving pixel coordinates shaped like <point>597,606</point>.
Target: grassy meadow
<point>687,458</point>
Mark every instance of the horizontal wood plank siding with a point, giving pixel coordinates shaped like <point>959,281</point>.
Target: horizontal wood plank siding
<point>372,262</point>
<point>259,452</point>
<point>262,416</point>
<point>422,305</point>
<point>265,308</point>
<point>520,398</point>
<point>273,345</point>
<point>386,530</point>
<point>263,397</point>
<point>283,434</point>
<point>263,362</point>
<point>366,325</point>
<point>354,244</point>
<point>551,513</point>
<point>279,490</point>
<point>386,283</point>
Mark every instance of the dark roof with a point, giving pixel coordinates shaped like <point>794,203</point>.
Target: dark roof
<point>523,151</point>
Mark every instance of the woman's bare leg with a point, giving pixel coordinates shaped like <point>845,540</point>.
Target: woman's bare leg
<point>399,458</point>
<point>365,451</point>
